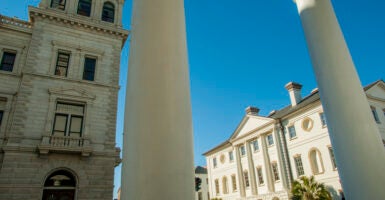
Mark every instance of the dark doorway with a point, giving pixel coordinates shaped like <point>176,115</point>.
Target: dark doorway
<point>60,185</point>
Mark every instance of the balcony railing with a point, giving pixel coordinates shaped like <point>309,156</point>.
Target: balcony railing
<point>65,144</point>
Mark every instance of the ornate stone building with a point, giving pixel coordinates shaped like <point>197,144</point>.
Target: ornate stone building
<point>58,101</point>
<point>266,153</point>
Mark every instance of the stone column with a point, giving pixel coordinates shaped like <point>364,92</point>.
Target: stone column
<point>266,162</point>
<point>241,179</point>
<point>253,182</point>
<point>158,142</point>
<point>359,152</point>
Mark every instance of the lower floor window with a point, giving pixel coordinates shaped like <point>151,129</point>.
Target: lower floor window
<point>275,171</point>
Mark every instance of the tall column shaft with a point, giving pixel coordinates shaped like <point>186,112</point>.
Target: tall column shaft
<point>355,137</point>
<point>253,182</point>
<point>266,162</point>
<point>241,179</point>
<point>158,147</point>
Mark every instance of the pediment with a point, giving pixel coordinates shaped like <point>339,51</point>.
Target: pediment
<point>377,91</point>
<point>248,124</point>
<point>74,92</point>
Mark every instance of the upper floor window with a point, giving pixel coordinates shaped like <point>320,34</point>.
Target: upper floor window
<point>375,115</point>
<point>275,171</point>
<point>84,7</point>
<point>68,120</point>
<point>270,139</point>
<point>299,165</point>
<point>231,156</point>
<point>62,63</point>
<point>8,61</point>
<point>215,162</point>
<point>108,14</point>
<point>323,119</point>
<point>59,4</point>
<point>255,145</point>
<point>1,116</point>
<point>333,159</point>
<point>292,132</point>
<point>242,150</point>
<point>89,69</point>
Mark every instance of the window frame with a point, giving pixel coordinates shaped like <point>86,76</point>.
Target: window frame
<point>291,129</point>
<point>215,164</point>
<point>2,61</point>
<point>107,9</point>
<point>79,11</point>
<point>246,178</point>
<point>375,114</point>
<point>274,167</point>
<point>58,7</point>
<point>299,165</point>
<point>317,160</point>
<point>332,157</point>
<point>57,66</point>
<point>323,119</point>
<point>231,156</point>
<point>270,142</point>
<point>261,181</point>
<point>225,185</point>
<point>242,150</point>
<point>255,145</point>
<point>68,121</point>
<point>95,59</point>
<point>234,182</point>
<point>216,184</point>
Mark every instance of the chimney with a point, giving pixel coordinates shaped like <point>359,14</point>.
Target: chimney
<point>294,92</point>
<point>252,110</point>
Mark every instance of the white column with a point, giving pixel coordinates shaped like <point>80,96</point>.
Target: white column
<point>253,182</point>
<point>241,179</point>
<point>158,142</point>
<point>355,137</point>
<point>266,162</point>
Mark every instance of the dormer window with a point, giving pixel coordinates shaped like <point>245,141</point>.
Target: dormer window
<point>58,4</point>
<point>84,7</point>
<point>108,14</point>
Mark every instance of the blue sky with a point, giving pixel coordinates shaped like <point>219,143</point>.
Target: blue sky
<point>242,53</point>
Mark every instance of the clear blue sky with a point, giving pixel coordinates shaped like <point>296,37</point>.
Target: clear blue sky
<point>242,53</point>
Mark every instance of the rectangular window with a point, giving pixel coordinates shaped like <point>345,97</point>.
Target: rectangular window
<point>270,139</point>
<point>246,176</point>
<point>260,176</point>
<point>292,132</point>
<point>323,119</point>
<point>62,63</point>
<point>255,145</point>
<point>234,182</point>
<point>275,171</point>
<point>59,4</point>
<point>299,166</point>
<point>1,116</point>
<point>89,69</point>
<point>8,61</point>
<point>215,162</point>
<point>68,120</point>
<point>375,115</point>
<point>231,156</point>
<point>216,186</point>
<point>242,150</point>
<point>334,164</point>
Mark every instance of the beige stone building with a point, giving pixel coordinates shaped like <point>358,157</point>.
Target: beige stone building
<point>59,74</point>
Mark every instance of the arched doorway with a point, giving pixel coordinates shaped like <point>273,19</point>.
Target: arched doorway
<point>60,185</point>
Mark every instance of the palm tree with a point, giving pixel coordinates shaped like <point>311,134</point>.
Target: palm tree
<point>308,189</point>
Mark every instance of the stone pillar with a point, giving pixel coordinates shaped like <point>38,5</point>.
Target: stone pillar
<point>241,179</point>
<point>283,158</point>
<point>266,162</point>
<point>359,152</point>
<point>253,182</point>
<point>158,140</point>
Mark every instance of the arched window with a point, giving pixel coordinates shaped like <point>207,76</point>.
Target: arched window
<point>61,184</point>
<point>225,185</point>
<point>108,13</point>
<point>59,4</point>
<point>84,7</point>
<point>316,161</point>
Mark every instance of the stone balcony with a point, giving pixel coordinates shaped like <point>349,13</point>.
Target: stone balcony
<point>65,144</point>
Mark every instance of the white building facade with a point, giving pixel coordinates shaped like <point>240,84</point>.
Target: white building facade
<point>265,154</point>
<point>59,73</point>
<point>203,192</point>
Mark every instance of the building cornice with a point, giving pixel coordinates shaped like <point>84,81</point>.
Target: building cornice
<point>15,24</point>
<point>77,21</point>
